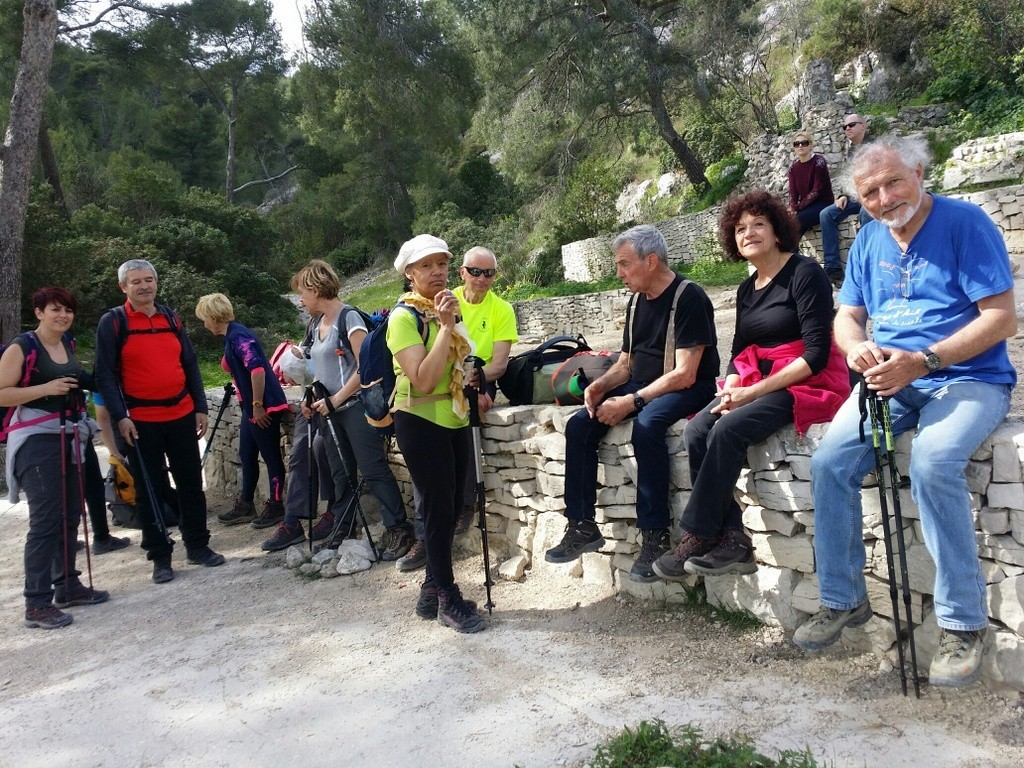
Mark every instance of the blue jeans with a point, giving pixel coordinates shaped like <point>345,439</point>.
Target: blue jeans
<point>829,220</point>
<point>952,421</point>
<point>583,435</point>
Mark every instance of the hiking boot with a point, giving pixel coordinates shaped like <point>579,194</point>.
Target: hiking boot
<point>414,559</point>
<point>272,514</point>
<point>205,556</point>
<point>47,617</point>
<point>958,658</point>
<point>656,543</point>
<point>672,565</point>
<point>464,520</point>
<point>284,537</point>
<point>459,614</point>
<point>580,536</point>
<point>426,605</point>
<point>836,277</point>
<point>79,595</point>
<point>396,542</point>
<point>109,544</point>
<point>162,571</point>
<point>323,527</point>
<point>734,553</point>
<point>344,531</point>
<point>242,512</point>
<point>825,627</point>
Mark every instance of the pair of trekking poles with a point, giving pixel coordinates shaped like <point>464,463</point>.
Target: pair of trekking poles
<point>473,395</point>
<point>876,409</point>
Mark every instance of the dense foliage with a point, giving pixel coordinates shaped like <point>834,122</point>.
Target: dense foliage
<point>180,133</point>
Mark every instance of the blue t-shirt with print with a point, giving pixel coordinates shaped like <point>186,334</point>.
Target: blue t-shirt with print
<point>920,296</point>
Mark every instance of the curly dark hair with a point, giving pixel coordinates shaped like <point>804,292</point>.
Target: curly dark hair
<point>62,297</point>
<point>758,202</point>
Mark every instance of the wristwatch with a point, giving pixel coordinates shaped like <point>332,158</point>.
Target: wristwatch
<point>257,403</point>
<point>931,360</point>
<point>638,402</point>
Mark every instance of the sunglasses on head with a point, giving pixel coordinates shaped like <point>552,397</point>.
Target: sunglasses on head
<point>802,143</point>
<point>477,271</point>
<point>848,126</point>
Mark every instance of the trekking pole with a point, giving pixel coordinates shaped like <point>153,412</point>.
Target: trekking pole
<point>310,493</point>
<point>229,390</point>
<point>155,505</point>
<point>901,544</point>
<point>350,473</point>
<point>473,394</point>
<point>869,409</point>
<point>64,490</point>
<point>76,444</point>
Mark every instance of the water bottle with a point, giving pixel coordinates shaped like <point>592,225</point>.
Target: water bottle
<point>578,382</point>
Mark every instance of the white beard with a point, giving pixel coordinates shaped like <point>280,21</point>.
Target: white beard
<point>901,219</point>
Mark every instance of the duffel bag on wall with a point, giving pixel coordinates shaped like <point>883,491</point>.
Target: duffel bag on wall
<point>527,379</point>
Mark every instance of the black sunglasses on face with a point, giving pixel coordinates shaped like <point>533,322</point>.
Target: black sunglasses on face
<point>848,126</point>
<point>802,143</point>
<point>477,271</point>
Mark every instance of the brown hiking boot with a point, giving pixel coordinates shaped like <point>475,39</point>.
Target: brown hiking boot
<point>672,565</point>
<point>241,512</point>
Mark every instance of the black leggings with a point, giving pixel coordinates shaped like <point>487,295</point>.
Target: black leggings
<point>438,461</point>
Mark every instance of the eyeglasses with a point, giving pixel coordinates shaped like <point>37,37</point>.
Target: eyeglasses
<point>802,143</point>
<point>848,126</point>
<point>477,271</point>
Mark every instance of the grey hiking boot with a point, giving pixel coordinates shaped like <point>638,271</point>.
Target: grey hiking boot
<point>825,627</point>
<point>109,544</point>
<point>734,553</point>
<point>242,511</point>
<point>162,570</point>
<point>958,658</point>
<point>580,536</point>
<point>396,541</point>
<point>656,542</point>
<point>205,556</point>
<point>284,537</point>
<point>414,559</point>
<point>672,565</point>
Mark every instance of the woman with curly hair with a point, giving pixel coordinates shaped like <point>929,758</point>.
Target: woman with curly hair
<point>785,369</point>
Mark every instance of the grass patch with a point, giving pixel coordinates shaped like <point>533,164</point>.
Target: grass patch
<point>711,272</point>
<point>371,297</point>
<point>653,744</point>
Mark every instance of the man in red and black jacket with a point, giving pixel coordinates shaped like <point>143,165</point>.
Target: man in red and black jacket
<point>147,372</point>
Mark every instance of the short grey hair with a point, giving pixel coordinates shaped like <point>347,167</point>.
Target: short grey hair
<point>479,250</point>
<point>912,151</point>
<point>643,239</point>
<point>131,264</point>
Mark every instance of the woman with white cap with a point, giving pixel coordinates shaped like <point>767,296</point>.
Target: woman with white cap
<point>431,417</point>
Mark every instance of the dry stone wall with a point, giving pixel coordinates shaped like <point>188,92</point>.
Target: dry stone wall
<point>524,465</point>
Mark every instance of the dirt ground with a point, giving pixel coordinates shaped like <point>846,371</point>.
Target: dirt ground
<point>249,664</point>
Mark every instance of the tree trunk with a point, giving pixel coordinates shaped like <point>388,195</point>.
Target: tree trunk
<point>48,161</point>
<point>19,150</point>
<point>692,165</point>
<point>229,167</point>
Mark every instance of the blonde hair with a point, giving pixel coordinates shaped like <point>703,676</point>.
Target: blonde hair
<point>318,276</point>
<point>802,134</point>
<point>215,307</point>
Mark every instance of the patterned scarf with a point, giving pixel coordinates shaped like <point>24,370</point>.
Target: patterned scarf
<point>458,351</point>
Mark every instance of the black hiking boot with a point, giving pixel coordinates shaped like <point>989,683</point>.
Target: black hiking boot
<point>656,543</point>
<point>241,512</point>
<point>459,614</point>
<point>272,514</point>
<point>734,553</point>
<point>162,571</point>
<point>580,536</point>
<point>205,556</point>
<point>79,594</point>
<point>284,537</point>
<point>109,544</point>
<point>323,527</point>
<point>672,565</point>
<point>464,520</point>
<point>426,605</point>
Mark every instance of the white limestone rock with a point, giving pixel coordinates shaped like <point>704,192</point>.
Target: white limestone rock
<point>1006,603</point>
<point>513,569</point>
<point>767,594</point>
<point>296,555</point>
<point>597,569</point>
<point>786,496</point>
<point>795,552</point>
<point>1008,495</point>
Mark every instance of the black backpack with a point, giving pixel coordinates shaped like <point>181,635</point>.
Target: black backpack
<point>527,379</point>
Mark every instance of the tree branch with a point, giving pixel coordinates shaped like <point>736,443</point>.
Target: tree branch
<point>258,182</point>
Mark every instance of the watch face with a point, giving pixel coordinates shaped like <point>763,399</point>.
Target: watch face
<point>933,362</point>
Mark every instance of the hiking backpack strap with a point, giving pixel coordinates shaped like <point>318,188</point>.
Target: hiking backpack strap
<point>670,330</point>
<point>122,332</point>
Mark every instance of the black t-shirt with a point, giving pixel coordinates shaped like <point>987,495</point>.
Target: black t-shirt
<point>695,326</point>
<point>46,369</point>
<point>796,304</point>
